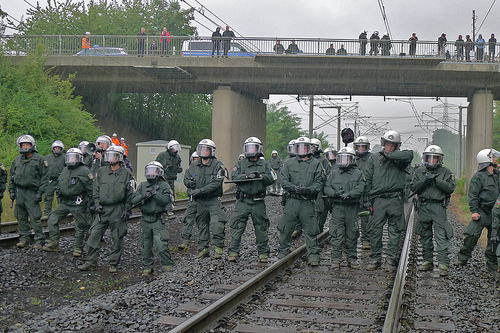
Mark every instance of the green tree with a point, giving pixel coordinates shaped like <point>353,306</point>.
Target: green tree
<point>281,127</point>
<point>35,102</point>
<point>448,142</point>
<point>496,126</point>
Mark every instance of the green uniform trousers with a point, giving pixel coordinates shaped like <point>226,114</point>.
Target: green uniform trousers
<point>28,211</point>
<point>472,233</point>
<point>49,195</point>
<point>277,184</point>
<point>188,220</point>
<point>110,217</point>
<point>390,210</point>
<point>154,233</point>
<point>257,210</point>
<point>83,221</point>
<point>365,220</point>
<point>433,216</point>
<point>209,215</point>
<point>344,231</point>
<point>302,211</point>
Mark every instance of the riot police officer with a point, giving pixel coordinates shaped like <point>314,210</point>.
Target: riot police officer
<point>204,180</point>
<point>276,164</point>
<point>3,186</point>
<point>433,183</point>
<point>87,158</point>
<point>28,181</point>
<point>362,149</point>
<point>102,143</point>
<point>56,164</point>
<point>345,186</point>
<point>322,207</point>
<point>74,193</point>
<point>171,162</point>
<point>255,174</point>
<point>483,192</point>
<point>303,178</point>
<point>386,179</point>
<point>152,196</point>
<point>112,192</point>
<point>189,216</point>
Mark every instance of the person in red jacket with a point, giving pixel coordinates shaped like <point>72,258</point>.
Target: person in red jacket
<point>165,41</point>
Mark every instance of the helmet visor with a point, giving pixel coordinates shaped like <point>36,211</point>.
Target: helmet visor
<point>345,160</point>
<point>252,149</point>
<point>112,157</point>
<point>302,149</point>
<point>175,147</point>
<point>205,151</point>
<point>73,158</point>
<point>330,156</point>
<point>152,171</point>
<point>432,160</point>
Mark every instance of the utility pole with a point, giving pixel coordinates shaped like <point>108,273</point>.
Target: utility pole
<point>311,115</point>
<point>338,127</point>
<point>474,25</point>
<point>460,108</point>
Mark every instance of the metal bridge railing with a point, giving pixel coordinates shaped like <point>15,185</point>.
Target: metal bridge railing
<point>251,46</point>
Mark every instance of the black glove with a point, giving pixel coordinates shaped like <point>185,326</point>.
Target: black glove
<point>126,214</point>
<point>383,156</point>
<point>431,177</point>
<point>58,192</point>
<point>149,193</point>
<point>345,196</point>
<point>97,207</point>
<point>196,192</point>
<point>252,175</point>
<point>38,198</point>
<point>494,236</point>
<point>191,183</point>
<point>12,196</point>
<point>303,190</point>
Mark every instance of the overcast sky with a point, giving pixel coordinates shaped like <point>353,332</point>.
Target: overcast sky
<point>342,19</point>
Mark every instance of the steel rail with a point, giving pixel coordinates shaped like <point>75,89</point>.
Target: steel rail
<point>215,311</point>
<point>391,322</point>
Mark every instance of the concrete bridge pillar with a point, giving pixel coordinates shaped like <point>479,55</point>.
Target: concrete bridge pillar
<point>479,128</point>
<point>235,117</point>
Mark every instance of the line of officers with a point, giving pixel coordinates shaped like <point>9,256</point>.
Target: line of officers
<point>100,192</point>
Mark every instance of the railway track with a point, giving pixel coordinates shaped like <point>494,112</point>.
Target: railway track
<point>290,296</point>
<point>9,229</point>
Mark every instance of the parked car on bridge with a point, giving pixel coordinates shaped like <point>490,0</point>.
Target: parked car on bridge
<point>196,48</point>
<point>103,51</point>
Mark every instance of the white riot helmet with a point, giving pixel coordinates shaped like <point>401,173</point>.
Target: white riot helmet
<point>330,154</point>
<point>153,170</point>
<point>57,143</point>
<point>174,146</point>
<point>432,157</point>
<point>206,148</point>
<point>302,146</point>
<point>241,156</point>
<point>315,145</point>
<point>74,156</point>
<point>103,139</point>
<point>114,154</point>
<point>361,145</point>
<point>485,158</point>
<point>290,148</point>
<point>274,152</point>
<point>252,147</point>
<point>391,136</point>
<point>83,146</point>
<point>194,156</point>
<point>26,138</point>
<point>346,158</point>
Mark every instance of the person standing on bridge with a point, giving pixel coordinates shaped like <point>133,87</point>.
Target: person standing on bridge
<point>204,180</point>
<point>480,48</point>
<point>292,48</point>
<point>227,36</point>
<point>374,40</point>
<point>278,47</point>
<point>330,50</point>
<point>469,46</point>
<point>141,42</point>
<point>386,45</point>
<point>492,43</point>
<point>165,41</point>
<point>86,44</point>
<point>363,40</point>
<point>459,45</point>
<point>303,177</point>
<point>28,181</point>
<point>484,189</point>
<point>433,184</point>
<point>413,44</point>
<point>386,180</point>
<point>216,40</point>
<point>442,45</point>
<point>254,175</point>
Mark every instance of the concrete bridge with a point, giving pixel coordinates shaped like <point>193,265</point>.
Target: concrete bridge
<point>239,84</point>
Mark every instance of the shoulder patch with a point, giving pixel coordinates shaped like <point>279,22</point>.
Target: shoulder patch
<point>452,177</point>
<point>46,163</point>
<point>474,180</point>
<point>497,203</point>
<point>91,176</point>
<point>235,168</point>
<point>2,167</point>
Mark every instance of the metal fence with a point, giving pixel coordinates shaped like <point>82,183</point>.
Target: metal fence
<point>203,46</point>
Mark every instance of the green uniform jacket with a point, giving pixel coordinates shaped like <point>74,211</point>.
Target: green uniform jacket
<point>76,182</point>
<point>209,177</point>
<point>245,166</point>
<point>3,180</point>
<point>362,162</point>
<point>30,173</point>
<point>276,162</point>
<point>56,165</point>
<point>444,186</point>
<point>156,204</point>
<point>384,176</point>
<point>325,163</point>
<point>483,190</point>
<point>87,160</point>
<point>113,187</point>
<point>308,173</point>
<point>171,164</point>
<point>350,181</point>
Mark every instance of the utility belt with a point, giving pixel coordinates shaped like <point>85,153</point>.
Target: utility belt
<point>424,201</point>
<point>344,203</point>
<point>486,208</point>
<point>27,188</point>
<point>304,197</point>
<point>390,195</point>
<point>152,216</point>
<point>77,199</point>
<point>255,197</point>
